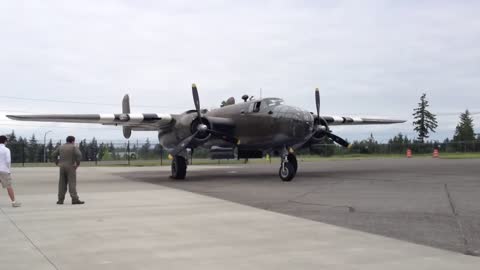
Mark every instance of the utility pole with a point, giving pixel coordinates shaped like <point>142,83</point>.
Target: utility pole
<point>45,146</point>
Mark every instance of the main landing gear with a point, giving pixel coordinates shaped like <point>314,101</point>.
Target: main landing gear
<point>288,167</point>
<point>179,167</point>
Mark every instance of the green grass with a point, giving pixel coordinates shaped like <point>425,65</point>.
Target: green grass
<point>274,160</point>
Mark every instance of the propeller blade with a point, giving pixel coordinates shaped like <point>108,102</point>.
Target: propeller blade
<point>196,99</point>
<point>126,104</point>
<point>127,131</point>
<point>338,140</point>
<point>223,136</point>
<point>317,102</point>
<point>183,144</point>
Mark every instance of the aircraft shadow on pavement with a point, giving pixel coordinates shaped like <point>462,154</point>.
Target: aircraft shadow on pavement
<point>247,175</point>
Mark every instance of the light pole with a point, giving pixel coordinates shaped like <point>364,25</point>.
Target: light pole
<point>45,146</point>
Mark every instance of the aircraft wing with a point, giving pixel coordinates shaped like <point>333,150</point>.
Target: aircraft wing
<point>135,121</point>
<point>353,120</point>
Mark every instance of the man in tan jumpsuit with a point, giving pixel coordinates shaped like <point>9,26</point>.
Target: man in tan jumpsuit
<point>67,157</point>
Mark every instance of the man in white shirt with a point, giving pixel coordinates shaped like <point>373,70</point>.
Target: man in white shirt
<point>5,176</point>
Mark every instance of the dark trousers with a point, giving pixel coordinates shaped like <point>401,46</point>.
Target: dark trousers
<point>68,177</point>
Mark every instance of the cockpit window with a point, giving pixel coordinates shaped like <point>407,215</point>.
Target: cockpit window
<point>273,101</point>
<point>256,106</point>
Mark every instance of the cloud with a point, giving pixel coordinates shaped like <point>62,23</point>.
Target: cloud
<point>368,58</point>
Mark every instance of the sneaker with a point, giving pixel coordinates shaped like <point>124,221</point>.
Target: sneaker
<point>16,204</point>
<point>60,202</point>
<point>77,202</point>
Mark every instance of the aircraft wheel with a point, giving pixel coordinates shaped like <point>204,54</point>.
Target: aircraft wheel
<point>287,172</point>
<point>179,167</point>
<point>292,159</point>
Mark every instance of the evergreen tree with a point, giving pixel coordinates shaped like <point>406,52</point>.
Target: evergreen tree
<point>464,130</point>
<point>464,134</point>
<point>372,144</point>
<point>399,143</point>
<point>82,146</point>
<point>325,147</point>
<point>367,146</point>
<point>50,150</point>
<point>32,149</point>
<point>11,137</point>
<point>102,151</point>
<point>158,150</point>
<point>15,148</point>
<point>39,155</point>
<point>92,150</point>
<point>134,151</point>
<point>111,149</point>
<point>144,151</point>
<point>22,153</point>
<point>424,121</point>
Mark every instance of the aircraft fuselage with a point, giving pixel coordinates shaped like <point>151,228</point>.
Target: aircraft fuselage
<point>265,124</point>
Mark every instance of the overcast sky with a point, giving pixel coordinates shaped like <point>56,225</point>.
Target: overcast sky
<point>372,58</point>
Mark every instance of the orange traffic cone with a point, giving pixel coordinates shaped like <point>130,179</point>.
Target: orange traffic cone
<point>409,153</point>
<point>435,153</point>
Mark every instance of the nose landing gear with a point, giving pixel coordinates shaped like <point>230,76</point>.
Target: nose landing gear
<point>288,166</point>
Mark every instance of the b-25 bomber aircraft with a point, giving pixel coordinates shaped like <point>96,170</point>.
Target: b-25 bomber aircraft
<point>246,130</point>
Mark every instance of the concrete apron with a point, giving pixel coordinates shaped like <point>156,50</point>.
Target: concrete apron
<point>165,228</point>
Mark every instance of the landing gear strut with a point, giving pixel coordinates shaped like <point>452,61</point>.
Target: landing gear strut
<point>179,167</point>
<point>288,167</point>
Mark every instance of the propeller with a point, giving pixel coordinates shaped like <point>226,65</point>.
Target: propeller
<point>201,128</point>
<point>322,121</point>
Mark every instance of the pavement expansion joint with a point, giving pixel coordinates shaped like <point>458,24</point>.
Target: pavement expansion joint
<point>28,239</point>
<point>467,251</point>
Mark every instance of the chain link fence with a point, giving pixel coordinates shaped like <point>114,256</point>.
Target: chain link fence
<point>148,154</point>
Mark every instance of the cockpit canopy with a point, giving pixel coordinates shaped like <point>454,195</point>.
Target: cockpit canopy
<point>273,101</point>
<point>265,104</point>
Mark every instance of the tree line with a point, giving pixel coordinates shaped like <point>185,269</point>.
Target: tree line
<point>425,123</point>
<point>30,150</point>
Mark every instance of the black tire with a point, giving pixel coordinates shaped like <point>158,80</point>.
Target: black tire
<point>293,159</point>
<point>287,173</point>
<point>179,167</point>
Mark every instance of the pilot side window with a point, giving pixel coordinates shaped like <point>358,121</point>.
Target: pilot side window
<point>256,106</point>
